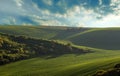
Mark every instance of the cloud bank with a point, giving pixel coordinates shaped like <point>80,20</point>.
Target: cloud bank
<point>78,13</point>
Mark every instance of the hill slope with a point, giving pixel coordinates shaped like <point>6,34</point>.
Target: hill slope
<point>54,58</point>
<point>99,38</point>
<point>103,38</point>
<point>45,32</point>
<point>14,48</point>
<point>65,65</point>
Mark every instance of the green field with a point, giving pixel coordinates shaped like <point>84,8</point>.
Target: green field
<point>102,38</point>
<point>66,65</point>
<point>46,32</point>
<point>99,38</point>
<point>104,44</point>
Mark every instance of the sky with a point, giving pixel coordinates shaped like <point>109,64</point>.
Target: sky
<point>75,13</point>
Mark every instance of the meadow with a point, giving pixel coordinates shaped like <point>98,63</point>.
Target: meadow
<point>102,42</point>
<point>65,65</point>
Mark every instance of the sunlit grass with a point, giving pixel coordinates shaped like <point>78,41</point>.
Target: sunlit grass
<point>66,65</point>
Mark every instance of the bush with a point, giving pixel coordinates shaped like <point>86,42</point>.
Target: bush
<point>110,72</point>
<point>117,66</point>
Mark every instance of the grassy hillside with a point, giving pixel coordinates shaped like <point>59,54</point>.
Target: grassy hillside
<point>14,48</point>
<point>40,57</point>
<point>99,38</point>
<point>103,38</point>
<point>45,32</point>
<point>64,65</point>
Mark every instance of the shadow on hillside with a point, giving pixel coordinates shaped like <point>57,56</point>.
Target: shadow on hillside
<point>15,48</point>
<point>59,55</point>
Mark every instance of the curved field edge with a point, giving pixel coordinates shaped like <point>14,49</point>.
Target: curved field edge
<point>66,65</point>
<point>99,38</point>
<point>46,32</point>
<point>87,69</point>
<point>91,37</point>
<point>92,30</point>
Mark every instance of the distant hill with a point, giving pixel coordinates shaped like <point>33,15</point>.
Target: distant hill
<point>45,32</point>
<point>103,38</point>
<point>108,38</point>
<point>14,48</point>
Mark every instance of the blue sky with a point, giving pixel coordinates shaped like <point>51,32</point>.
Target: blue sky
<point>78,13</point>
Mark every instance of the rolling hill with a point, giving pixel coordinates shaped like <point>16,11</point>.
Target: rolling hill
<point>103,38</point>
<point>64,65</point>
<point>107,38</point>
<point>15,48</point>
<point>48,51</point>
<point>44,32</point>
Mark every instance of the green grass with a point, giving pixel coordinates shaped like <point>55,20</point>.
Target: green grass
<point>66,65</point>
<point>29,31</point>
<point>69,64</point>
<point>103,38</point>
<point>45,32</point>
<point>99,38</point>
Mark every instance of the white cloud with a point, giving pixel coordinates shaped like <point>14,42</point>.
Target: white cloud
<point>9,7</point>
<point>108,21</point>
<point>100,2</point>
<point>9,20</point>
<point>75,16</point>
<point>19,2</point>
<point>48,2</point>
<point>115,2</point>
<point>49,22</point>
